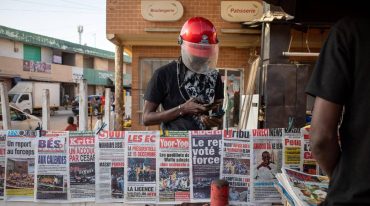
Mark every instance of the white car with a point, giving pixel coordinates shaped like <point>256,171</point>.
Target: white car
<point>20,120</point>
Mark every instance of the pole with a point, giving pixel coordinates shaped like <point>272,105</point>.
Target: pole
<point>82,106</point>
<point>107,105</point>
<point>45,109</point>
<point>118,89</point>
<point>5,106</point>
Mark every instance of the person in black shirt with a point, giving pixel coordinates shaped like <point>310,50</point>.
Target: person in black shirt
<point>340,82</point>
<point>188,88</point>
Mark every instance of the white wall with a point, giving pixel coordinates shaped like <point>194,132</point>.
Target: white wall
<point>7,49</point>
<point>46,55</point>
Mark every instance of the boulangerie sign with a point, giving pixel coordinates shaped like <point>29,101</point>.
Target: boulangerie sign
<point>161,10</point>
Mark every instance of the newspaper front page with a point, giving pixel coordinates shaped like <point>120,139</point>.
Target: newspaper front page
<point>20,165</point>
<point>235,165</point>
<point>309,164</point>
<point>266,162</point>
<point>140,178</point>
<point>292,144</point>
<point>2,162</point>
<point>82,166</point>
<point>205,162</point>
<point>305,189</point>
<point>52,167</point>
<point>173,163</point>
<point>110,167</point>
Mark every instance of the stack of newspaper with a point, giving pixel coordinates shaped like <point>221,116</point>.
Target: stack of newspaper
<point>301,189</point>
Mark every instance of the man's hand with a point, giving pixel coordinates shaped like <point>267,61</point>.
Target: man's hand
<point>210,122</point>
<point>191,107</point>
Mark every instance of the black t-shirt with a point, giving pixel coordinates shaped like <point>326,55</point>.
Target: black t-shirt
<point>342,76</point>
<point>163,88</point>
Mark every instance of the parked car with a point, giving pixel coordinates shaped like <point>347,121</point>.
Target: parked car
<point>20,120</point>
<point>95,105</point>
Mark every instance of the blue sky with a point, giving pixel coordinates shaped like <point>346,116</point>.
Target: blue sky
<point>59,19</point>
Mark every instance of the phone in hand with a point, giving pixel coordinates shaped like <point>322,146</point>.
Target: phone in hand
<point>218,114</point>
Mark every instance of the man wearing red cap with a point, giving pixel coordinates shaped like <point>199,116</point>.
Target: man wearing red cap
<point>188,88</point>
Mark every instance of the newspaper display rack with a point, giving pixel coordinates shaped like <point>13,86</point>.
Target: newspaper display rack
<point>146,167</point>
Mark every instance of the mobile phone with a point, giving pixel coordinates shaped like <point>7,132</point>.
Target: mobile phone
<point>218,114</point>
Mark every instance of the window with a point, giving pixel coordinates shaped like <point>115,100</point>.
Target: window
<point>24,97</point>
<point>31,53</point>
<point>147,68</point>
<point>233,85</point>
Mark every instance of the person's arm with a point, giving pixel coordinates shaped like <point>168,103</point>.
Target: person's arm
<point>324,134</point>
<point>152,117</point>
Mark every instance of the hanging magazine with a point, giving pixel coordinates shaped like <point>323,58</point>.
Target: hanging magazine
<point>266,162</point>
<point>2,162</point>
<point>52,167</point>
<point>110,166</point>
<point>20,165</point>
<point>173,167</point>
<point>235,165</point>
<point>82,166</point>
<point>205,162</point>
<point>141,157</point>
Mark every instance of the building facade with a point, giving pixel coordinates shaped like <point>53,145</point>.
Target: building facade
<point>149,30</point>
<point>26,56</point>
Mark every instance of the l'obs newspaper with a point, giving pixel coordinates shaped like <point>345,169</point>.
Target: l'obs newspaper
<point>140,179</point>
<point>205,162</point>
<point>2,162</point>
<point>173,163</point>
<point>82,166</point>
<point>20,165</point>
<point>52,167</point>
<point>235,165</point>
<point>110,167</point>
<point>266,162</point>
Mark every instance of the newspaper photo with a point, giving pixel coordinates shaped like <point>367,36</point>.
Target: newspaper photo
<point>266,162</point>
<point>235,165</point>
<point>82,166</point>
<point>292,144</point>
<point>20,165</point>
<point>173,167</point>
<point>110,167</point>
<point>2,162</point>
<point>305,189</point>
<point>52,167</point>
<point>140,178</point>
<point>205,162</point>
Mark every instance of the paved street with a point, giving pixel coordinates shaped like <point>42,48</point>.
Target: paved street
<point>59,120</point>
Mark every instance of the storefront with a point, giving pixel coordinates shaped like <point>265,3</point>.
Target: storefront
<point>149,31</point>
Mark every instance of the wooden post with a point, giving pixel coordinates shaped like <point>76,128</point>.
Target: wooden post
<point>107,105</point>
<point>118,88</point>
<point>82,106</point>
<point>5,106</point>
<point>45,109</point>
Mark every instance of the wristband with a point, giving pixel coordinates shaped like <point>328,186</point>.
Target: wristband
<point>179,108</point>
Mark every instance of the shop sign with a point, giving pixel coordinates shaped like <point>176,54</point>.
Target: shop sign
<point>77,73</point>
<point>241,11</point>
<point>161,10</point>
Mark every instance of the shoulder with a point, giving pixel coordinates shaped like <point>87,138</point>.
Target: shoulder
<point>170,68</point>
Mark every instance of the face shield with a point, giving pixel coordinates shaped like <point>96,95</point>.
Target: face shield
<point>199,58</point>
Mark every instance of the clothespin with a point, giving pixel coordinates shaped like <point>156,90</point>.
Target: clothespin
<point>290,124</point>
<point>101,127</point>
